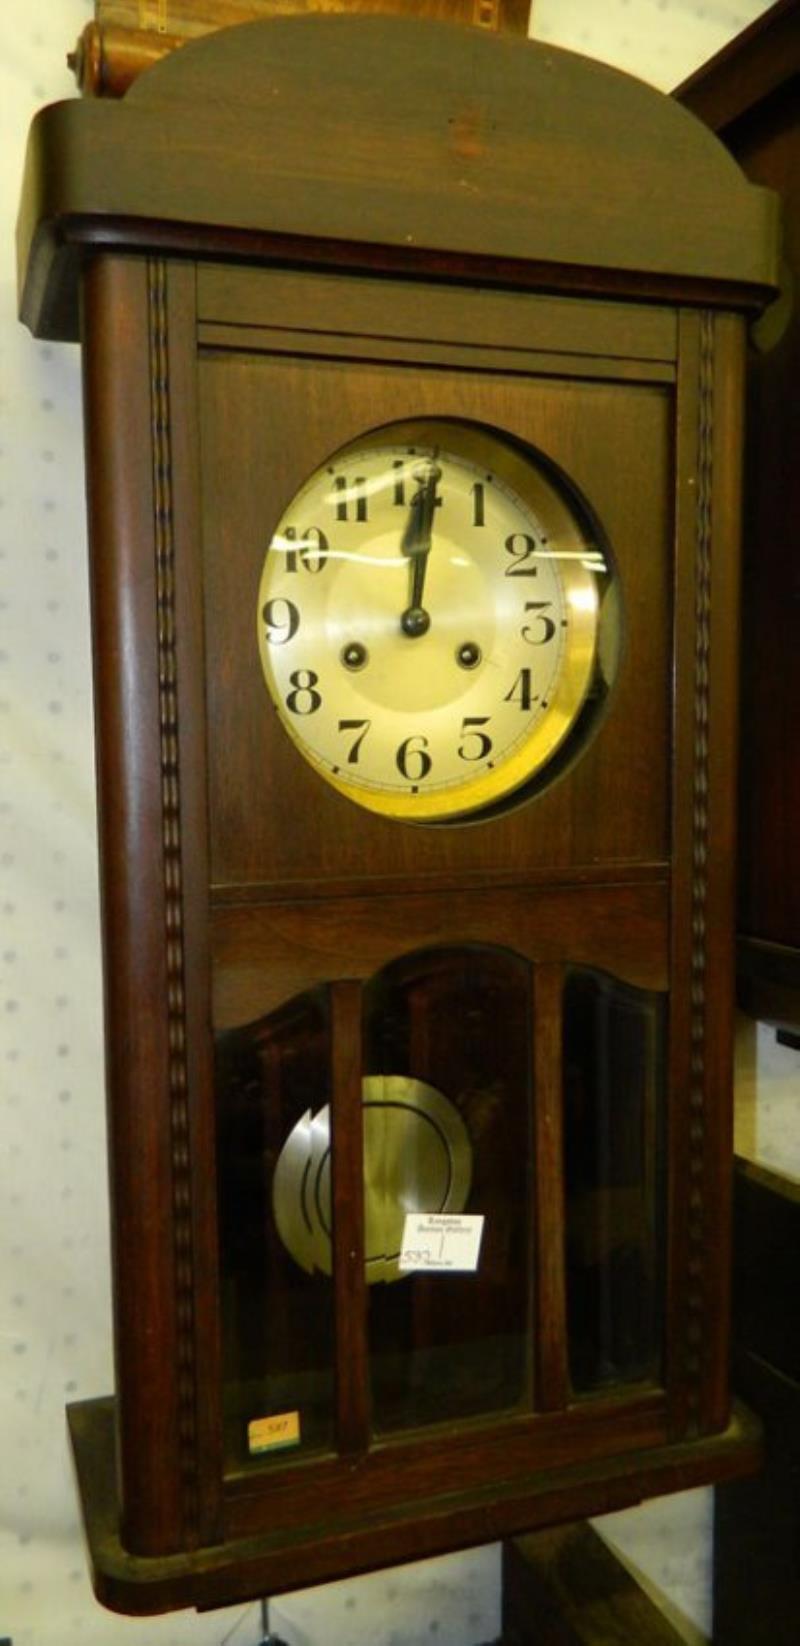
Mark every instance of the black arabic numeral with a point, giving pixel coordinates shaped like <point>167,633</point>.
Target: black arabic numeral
<point>522,547</point>
<point>314,551</point>
<point>521,691</point>
<point>351,491</point>
<point>469,731</point>
<point>303,699</point>
<point>412,759</point>
<point>546,625</point>
<point>282,621</point>
<point>310,550</point>
<point>290,535</point>
<point>360,726</point>
<point>478,511</point>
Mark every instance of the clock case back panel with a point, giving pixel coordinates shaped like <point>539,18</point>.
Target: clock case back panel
<point>233,883</point>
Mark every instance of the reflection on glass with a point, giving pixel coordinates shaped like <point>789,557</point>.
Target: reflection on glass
<point>453,1345</point>
<point>277,1313</point>
<point>614,1042</point>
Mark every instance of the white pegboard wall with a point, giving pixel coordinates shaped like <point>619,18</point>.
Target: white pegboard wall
<point>661,41</point>
<point>454,1601</point>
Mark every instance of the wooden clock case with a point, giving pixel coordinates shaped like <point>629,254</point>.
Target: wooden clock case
<point>287,235</point>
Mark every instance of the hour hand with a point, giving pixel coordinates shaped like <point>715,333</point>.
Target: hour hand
<point>416,545</point>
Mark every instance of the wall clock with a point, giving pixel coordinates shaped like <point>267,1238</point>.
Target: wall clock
<point>413,437</point>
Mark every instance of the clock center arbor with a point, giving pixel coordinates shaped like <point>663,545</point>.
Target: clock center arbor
<point>413,361</point>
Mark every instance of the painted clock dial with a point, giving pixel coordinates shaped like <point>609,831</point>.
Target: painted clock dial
<point>429,619</point>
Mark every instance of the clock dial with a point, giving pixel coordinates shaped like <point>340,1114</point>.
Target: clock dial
<point>429,619</point>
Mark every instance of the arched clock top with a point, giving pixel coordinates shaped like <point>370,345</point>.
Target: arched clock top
<point>453,149</point>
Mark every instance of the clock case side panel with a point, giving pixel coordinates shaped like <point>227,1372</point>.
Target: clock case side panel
<point>138,335</point>
<point>708,461</point>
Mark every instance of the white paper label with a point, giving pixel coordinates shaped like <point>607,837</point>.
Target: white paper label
<point>436,1240</point>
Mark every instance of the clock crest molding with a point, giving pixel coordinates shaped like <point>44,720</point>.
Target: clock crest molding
<point>286,237</point>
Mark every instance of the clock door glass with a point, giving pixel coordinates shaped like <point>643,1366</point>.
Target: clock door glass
<point>449,1185</point>
<point>614,1045</point>
<point>437,620</point>
<point>277,1301</point>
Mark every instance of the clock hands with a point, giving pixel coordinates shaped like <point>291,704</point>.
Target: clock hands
<point>416,545</point>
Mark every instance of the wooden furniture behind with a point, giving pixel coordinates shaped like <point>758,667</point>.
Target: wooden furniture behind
<point>566,1588</point>
<point>757,1524</point>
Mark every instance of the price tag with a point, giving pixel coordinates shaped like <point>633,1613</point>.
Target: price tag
<point>435,1241</point>
<point>272,1434</point>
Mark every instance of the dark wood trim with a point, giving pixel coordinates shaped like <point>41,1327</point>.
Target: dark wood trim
<point>122,517</point>
<point>757,63</point>
<point>550,1302</point>
<point>173,288</point>
<point>96,171</point>
<point>524,363</point>
<point>766,1244</point>
<point>304,304</point>
<point>174,1007</point>
<point>263,955</point>
<point>708,426</point>
<point>347,1193</point>
<point>506,1446</point>
<point>274,1562</point>
<point>728,440</point>
<point>683,839</point>
<point>225,896</point>
<point>768,981</point>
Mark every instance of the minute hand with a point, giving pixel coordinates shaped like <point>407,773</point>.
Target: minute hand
<point>416,546</point>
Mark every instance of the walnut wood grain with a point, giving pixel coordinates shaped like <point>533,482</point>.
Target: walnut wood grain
<point>122,519</point>
<point>566,1587</point>
<point>185,778</point>
<point>248,1569</point>
<point>305,303</point>
<point>706,624</point>
<point>265,954</point>
<point>173,153</point>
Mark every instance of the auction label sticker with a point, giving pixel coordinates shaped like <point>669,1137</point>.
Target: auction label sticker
<point>272,1434</point>
<point>437,1241</point>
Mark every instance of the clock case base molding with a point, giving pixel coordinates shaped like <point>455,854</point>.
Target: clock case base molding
<point>250,1567</point>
